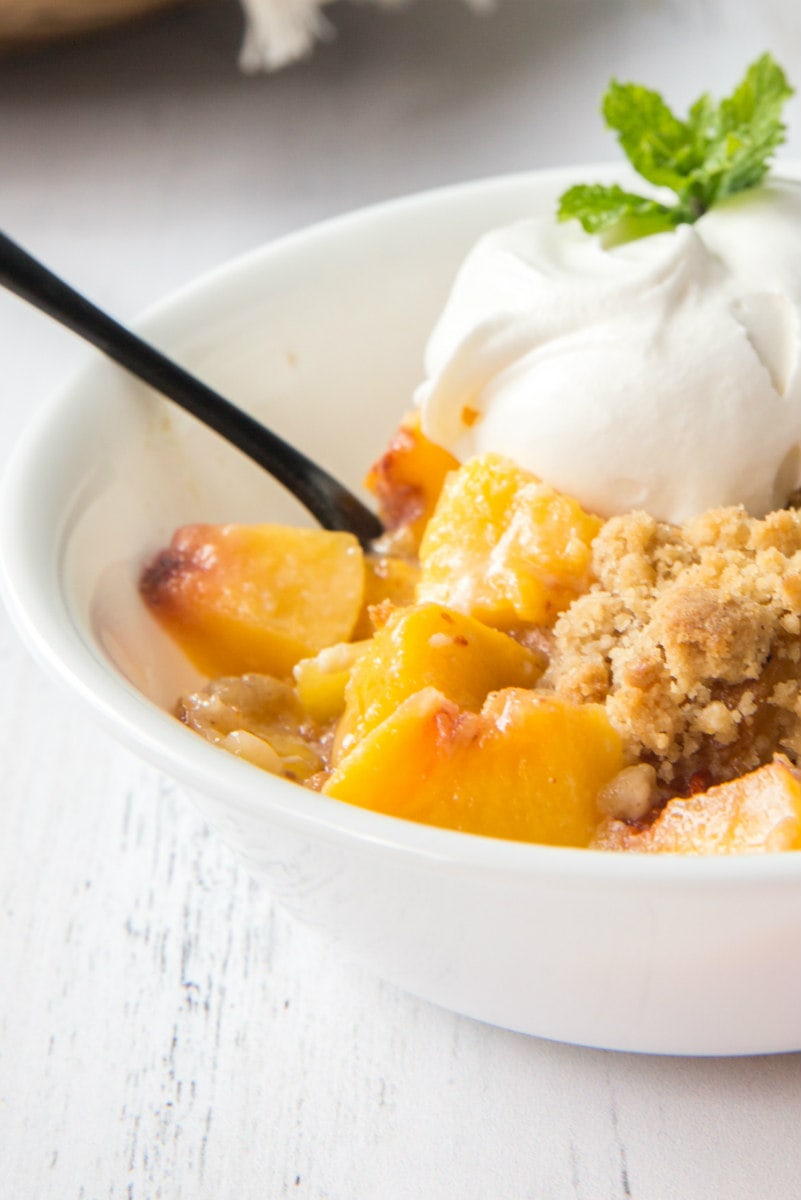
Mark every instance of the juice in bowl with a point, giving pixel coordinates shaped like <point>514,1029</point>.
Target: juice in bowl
<point>437,758</point>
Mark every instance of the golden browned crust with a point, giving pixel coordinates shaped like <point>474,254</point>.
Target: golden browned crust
<point>691,637</point>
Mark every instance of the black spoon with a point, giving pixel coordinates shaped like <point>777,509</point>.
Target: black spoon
<point>329,502</point>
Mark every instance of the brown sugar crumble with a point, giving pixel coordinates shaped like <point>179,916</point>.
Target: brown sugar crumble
<point>691,637</point>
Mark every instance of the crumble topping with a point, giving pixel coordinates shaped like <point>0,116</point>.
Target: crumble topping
<point>691,636</point>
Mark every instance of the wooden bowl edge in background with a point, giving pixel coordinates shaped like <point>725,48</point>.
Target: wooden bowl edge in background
<point>30,21</point>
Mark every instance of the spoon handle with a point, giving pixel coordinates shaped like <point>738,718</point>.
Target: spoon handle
<point>329,502</point>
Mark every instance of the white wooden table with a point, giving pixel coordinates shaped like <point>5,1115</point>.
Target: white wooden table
<point>164,1030</point>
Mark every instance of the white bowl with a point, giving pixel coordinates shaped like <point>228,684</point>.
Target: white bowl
<point>322,334</point>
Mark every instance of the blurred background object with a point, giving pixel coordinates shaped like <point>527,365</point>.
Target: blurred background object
<point>32,20</point>
<point>277,32</point>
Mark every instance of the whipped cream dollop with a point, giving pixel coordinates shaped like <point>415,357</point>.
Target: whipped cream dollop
<point>663,374</point>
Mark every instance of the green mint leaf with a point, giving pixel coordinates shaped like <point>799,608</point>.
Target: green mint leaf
<point>600,208</point>
<point>718,150</point>
<point>742,134</point>
<point>657,143</point>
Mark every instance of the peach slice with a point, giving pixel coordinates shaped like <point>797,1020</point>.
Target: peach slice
<point>255,598</point>
<point>408,478</point>
<point>386,580</point>
<point>528,767</point>
<point>430,646</point>
<point>321,681</point>
<point>505,547</point>
<point>758,812</point>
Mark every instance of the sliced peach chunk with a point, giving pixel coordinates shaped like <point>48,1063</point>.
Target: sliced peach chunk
<point>408,477</point>
<point>756,813</point>
<point>528,767</point>
<point>430,646</point>
<point>505,547</point>
<point>386,578</point>
<point>321,680</point>
<point>255,598</point>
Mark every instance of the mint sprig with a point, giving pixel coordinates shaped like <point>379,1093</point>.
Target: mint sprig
<point>719,149</point>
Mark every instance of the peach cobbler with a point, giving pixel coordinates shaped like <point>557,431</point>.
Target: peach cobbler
<point>583,625</point>
<point>505,662</point>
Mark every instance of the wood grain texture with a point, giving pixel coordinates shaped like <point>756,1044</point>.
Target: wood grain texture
<point>167,1033</point>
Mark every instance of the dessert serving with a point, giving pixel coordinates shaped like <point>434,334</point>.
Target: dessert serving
<point>427,680</point>
<point>583,624</point>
